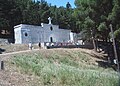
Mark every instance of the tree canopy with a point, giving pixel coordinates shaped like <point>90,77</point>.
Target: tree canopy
<point>89,15</point>
<point>13,12</point>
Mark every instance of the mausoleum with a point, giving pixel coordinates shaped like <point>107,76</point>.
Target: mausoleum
<point>25,34</point>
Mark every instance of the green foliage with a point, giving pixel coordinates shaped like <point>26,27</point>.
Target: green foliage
<point>94,14</point>
<point>89,23</point>
<point>117,34</point>
<point>8,12</point>
<point>114,17</point>
<point>59,70</point>
<point>13,12</point>
<point>88,14</point>
<point>102,26</point>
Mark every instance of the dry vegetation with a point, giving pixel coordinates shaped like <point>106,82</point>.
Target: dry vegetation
<point>15,47</point>
<point>56,67</point>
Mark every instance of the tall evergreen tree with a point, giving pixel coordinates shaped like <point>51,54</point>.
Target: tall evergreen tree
<point>114,17</point>
<point>9,15</point>
<point>92,16</point>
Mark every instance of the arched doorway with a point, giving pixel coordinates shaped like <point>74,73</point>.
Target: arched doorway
<point>51,39</point>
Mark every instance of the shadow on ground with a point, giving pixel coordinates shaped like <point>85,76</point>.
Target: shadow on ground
<point>103,64</point>
<point>106,64</point>
<point>71,46</point>
<point>2,50</point>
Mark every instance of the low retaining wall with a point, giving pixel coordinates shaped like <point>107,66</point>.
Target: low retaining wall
<point>72,46</point>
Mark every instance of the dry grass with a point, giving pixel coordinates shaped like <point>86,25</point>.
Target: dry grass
<point>16,47</point>
<point>65,67</point>
<point>54,67</point>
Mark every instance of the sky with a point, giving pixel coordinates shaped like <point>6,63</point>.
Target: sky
<point>61,2</point>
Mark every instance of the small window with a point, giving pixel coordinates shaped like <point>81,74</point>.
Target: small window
<point>51,28</point>
<point>26,34</point>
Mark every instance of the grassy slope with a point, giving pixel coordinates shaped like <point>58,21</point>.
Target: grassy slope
<point>66,68</point>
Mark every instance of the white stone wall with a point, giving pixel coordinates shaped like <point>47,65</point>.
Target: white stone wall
<point>50,33</point>
<point>64,35</point>
<point>26,35</point>
<point>35,34</point>
<point>58,35</point>
<point>18,36</point>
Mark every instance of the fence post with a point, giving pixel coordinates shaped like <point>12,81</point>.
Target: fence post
<point>2,65</point>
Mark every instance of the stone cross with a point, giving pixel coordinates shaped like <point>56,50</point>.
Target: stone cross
<point>49,19</point>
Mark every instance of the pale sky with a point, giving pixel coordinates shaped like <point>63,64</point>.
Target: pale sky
<point>61,2</point>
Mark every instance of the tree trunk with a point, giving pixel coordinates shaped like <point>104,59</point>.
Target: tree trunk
<point>94,45</point>
<point>94,41</point>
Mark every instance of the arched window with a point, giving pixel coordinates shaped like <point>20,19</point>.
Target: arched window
<point>51,28</point>
<point>26,34</point>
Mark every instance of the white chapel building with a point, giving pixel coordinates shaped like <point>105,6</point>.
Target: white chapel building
<point>25,34</point>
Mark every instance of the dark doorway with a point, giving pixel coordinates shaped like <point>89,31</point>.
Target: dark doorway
<point>51,39</point>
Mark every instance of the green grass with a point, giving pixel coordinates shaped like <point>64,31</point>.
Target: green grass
<point>68,69</point>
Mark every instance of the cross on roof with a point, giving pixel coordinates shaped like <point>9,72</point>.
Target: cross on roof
<point>49,19</point>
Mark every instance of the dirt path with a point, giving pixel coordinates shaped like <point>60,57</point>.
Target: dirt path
<point>7,55</point>
<point>18,52</point>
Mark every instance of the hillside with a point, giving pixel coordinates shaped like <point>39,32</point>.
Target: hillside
<point>57,67</point>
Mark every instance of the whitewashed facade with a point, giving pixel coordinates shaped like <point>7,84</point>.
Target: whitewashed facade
<point>25,34</point>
